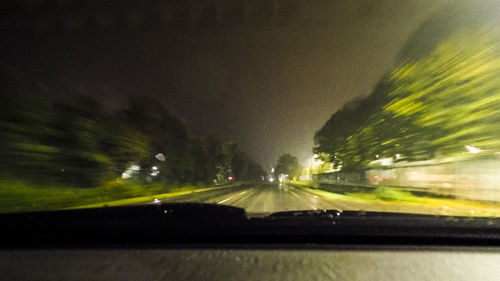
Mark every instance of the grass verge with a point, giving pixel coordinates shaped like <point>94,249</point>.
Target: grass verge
<point>394,200</point>
<point>20,196</point>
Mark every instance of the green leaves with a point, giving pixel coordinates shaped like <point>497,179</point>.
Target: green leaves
<point>444,94</point>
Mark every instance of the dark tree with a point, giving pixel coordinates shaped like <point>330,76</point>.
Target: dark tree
<point>288,165</point>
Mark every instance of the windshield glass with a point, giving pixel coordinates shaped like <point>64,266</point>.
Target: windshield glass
<point>274,105</point>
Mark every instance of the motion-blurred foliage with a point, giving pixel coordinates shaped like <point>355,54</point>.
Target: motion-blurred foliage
<point>73,141</point>
<point>444,95</point>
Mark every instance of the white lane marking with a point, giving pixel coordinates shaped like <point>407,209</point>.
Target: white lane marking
<point>223,200</point>
<point>315,196</point>
<point>241,193</point>
<point>293,193</point>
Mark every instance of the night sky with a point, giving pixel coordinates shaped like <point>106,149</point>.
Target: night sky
<point>266,74</point>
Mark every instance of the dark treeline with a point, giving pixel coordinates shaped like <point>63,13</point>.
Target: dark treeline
<point>442,99</point>
<point>77,142</point>
<point>288,164</point>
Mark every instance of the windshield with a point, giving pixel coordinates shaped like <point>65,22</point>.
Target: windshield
<point>389,106</point>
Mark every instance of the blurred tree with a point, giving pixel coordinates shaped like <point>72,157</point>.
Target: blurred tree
<point>215,159</point>
<point>442,97</point>
<point>288,165</point>
<point>73,141</point>
<point>352,137</point>
<point>25,113</point>
<point>199,162</point>
<point>79,133</point>
<point>165,134</point>
<point>254,172</point>
<point>449,86</point>
<point>70,141</point>
<point>124,145</point>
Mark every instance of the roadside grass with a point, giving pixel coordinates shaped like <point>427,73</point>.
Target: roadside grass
<point>392,199</point>
<point>20,196</point>
<point>149,198</point>
<point>390,194</point>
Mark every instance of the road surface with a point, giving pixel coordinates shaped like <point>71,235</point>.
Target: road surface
<point>268,198</point>
<point>262,199</point>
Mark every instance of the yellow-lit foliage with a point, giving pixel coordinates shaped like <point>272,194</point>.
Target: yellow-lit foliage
<point>455,90</point>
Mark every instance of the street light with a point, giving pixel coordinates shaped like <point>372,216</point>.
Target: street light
<point>160,157</point>
<point>472,149</point>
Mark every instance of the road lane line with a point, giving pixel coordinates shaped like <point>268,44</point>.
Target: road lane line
<point>293,193</point>
<point>316,196</point>
<point>241,193</point>
<point>224,200</point>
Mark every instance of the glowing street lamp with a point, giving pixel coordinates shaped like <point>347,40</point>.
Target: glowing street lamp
<point>472,149</point>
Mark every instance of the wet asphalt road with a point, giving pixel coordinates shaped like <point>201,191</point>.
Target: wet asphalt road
<point>266,198</point>
<point>261,198</point>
